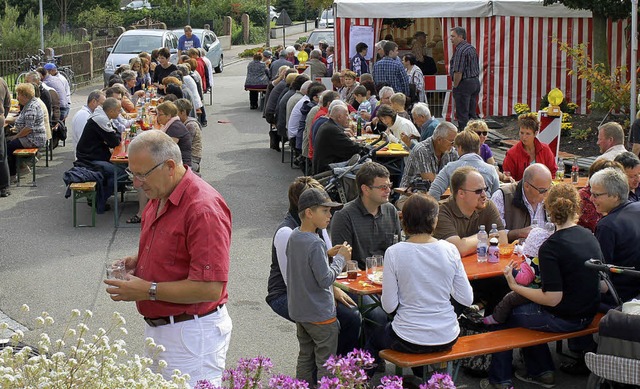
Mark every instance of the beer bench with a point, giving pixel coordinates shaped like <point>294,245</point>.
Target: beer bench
<point>481,344</point>
<point>30,156</point>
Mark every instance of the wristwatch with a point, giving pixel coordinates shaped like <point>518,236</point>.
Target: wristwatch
<point>153,290</point>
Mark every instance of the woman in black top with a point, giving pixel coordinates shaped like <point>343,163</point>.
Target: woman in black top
<point>569,296</point>
<point>163,69</point>
<point>170,121</point>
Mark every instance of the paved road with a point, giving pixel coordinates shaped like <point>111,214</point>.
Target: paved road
<point>53,267</point>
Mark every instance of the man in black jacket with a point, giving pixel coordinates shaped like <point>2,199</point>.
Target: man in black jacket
<point>332,144</point>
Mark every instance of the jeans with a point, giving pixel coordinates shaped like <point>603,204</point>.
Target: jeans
<point>64,112</point>
<point>317,343</point>
<point>465,96</point>
<point>349,318</point>
<point>202,116</point>
<point>537,358</point>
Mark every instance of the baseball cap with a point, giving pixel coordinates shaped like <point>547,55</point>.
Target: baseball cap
<point>313,197</point>
<point>50,66</point>
<point>267,53</point>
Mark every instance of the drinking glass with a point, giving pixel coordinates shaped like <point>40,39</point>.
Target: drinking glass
<point>352,270</point>
<point>374,268</point>
<point>116,270</point>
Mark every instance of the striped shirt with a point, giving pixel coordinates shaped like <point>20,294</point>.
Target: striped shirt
<point>465,61</point>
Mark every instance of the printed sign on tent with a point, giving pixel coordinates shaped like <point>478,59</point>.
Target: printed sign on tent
<point>359,34</point>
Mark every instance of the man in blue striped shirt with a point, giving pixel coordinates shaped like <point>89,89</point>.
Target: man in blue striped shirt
<point>390,71</point>
<point>465,69</point>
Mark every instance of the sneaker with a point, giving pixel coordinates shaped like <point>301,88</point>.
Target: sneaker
<point>4,192</point>
<point>485,384</point>
<point>546,380</point>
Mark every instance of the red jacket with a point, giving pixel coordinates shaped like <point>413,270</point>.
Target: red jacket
<point>517,159</point>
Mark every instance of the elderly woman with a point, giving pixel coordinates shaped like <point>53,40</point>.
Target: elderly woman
<point>184,107</point>
<point>257,78</point>
<point>631,165</point>
<point>349,84</point>
<point>568,299</point>
<point>170,123</point>
<point>29,125</point>
<point>529,150</point>
<point>190,84</point>
<point>409,287</point>
<point>416,77</point>
<point>130,98</point>
<point>589,216</point>
<point>346,309</point>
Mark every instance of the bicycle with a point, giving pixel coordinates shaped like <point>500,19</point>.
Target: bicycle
<point>67,72</point>
<point>32,62</point>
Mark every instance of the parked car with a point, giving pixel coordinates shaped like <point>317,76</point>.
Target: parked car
<point>210,44</point>
<point>321,34</point>
<point>136,5</point>
<point>133,42</point>
<point>325,20</point>
<point>273,15</point>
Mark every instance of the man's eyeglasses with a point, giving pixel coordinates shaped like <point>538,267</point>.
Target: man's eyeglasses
<point>142,177</point>
<point>477,191</point>
<point>482,133</point>
<point>382,187</point>
<point>540,190</point>
<point>596,195</point>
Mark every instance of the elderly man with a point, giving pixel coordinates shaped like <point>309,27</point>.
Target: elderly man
<point>468,207</point>
<point>391,71</point>
<point>332,144</point>
<point>188,41</point>
<point>64,94</point>
<point>5,105</point>
<point>520,203</point>
<point>610,141</point>
<point>318,68</point>
<point>619,230</point>
<point>465,69</point>
<point>293,114</point>
<point>423,120</point>
<point>59,87</point>
<point>428,157</point>
<point>467,144</point>
<point>181,270</point>
<point>95,99</point>
<point>631,164</point>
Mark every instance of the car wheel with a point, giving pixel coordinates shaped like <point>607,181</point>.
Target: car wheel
<point>220,66</point>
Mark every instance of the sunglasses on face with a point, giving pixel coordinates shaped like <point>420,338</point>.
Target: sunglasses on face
<point>477,191</point>
<point>482,133</point>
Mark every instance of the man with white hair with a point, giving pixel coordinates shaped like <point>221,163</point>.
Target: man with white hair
<point>332,144</point>
<point>281,61</point>
<point>423,120</point>
<point>293,107</point>
<point>95,99</point>
<point>318,68</point>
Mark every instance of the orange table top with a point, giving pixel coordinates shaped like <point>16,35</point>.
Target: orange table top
<point>118,155</point>
<point>473,268</point>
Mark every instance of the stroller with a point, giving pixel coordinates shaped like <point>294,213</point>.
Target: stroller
<point>616,364</point>
<point>340,181</point>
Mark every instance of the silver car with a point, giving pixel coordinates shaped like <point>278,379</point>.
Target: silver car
<point>133,42</point>
<point>321,34</point>
<point>210,44</point>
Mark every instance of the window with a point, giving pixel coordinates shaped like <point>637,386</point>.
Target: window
<point>134,44</point>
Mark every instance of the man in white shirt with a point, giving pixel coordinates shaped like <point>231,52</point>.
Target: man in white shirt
<point>95,99</point>
<point>61,86</point>
<point>610,141</point>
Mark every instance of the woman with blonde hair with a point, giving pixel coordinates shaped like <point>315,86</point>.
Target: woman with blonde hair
<point>349,84</point>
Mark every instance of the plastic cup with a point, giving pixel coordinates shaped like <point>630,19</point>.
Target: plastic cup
<point>115,270</point>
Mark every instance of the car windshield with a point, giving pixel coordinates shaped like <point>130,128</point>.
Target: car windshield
<point>134,44</point>
<point>316,37</point>
<point>327,14</point>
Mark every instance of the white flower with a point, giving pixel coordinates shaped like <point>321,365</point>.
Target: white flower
<point>24,308</point>
<point>75,313</point>
<point>88,313</point>
<point>49,320</point>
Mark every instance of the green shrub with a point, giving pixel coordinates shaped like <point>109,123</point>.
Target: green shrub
<point>19,37</point>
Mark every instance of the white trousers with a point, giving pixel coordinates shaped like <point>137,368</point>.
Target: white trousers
<point>196,347</point>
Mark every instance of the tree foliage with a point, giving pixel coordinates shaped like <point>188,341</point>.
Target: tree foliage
<point>19,36</point>
<point>99,17</point>
<point>612,9</point>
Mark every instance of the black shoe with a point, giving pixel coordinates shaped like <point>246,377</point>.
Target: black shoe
<point>4,192</point>
<point>253,107</point>
<point>204,124</point>
<point>577,367</point>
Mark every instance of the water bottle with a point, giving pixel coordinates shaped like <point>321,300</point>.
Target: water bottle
<point>575,172</point>
<point>494,231</point>
<point>493,253</point>
<point>483,244</point>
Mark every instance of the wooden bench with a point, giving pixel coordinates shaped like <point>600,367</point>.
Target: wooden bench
<point>87,190</point>
<point>263,93</point>
<point>30,156</point>
<point>481,344</point>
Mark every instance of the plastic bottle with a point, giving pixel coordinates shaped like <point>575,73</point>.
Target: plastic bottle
<point>483,245</point>
<point>494,231</point>
<point>560,171</point>
<point>493,253</point>
<point>575,172</point>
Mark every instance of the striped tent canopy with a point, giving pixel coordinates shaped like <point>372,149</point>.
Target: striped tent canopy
<point>520,62</point>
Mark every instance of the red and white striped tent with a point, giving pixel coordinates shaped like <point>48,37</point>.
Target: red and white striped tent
<point>519,60</point>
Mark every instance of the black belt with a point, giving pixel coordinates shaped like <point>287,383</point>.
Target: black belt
<point>161,321</point>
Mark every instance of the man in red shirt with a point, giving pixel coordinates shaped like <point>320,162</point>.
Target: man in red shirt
<point>179,277</point>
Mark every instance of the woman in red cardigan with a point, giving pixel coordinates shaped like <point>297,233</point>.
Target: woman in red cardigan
<point>529,150</point>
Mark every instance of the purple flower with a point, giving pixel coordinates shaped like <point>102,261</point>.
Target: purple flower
<point>204,384</point>
<point>282,381</point>
<point>390,382</point>
<point>439,381</point>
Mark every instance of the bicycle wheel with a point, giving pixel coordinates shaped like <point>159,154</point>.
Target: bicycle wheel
<point>19,80</point>
<point>68,74</point>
